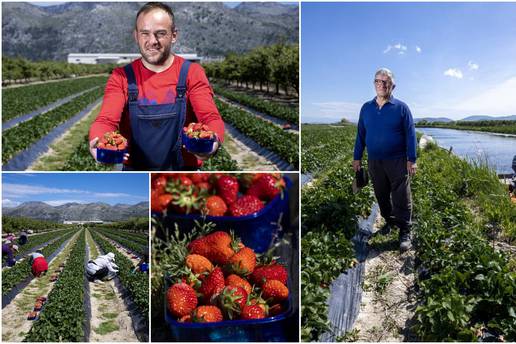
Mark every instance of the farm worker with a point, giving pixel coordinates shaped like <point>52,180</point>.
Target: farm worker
<point>38,263</point>
<point>386,128</point>
<point>142,266</point>
<point>23,238</point>
<point>8,249</point>
<point>10,237</point>
<point>103,267</point>
<point>151,99</point>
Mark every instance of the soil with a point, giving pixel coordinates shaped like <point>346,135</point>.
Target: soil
<point>245,157</point>
<point>388,298</point>
<point>15,325</point>
<point>110,319</point>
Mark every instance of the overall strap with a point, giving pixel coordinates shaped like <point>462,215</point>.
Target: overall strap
<point>131,83</point>
<point>181,83</point>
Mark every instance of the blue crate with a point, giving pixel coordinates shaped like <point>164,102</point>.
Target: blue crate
<point>273,329</point>
<point>107,156</point>
<point>257,231</point>
<point>196,145</point>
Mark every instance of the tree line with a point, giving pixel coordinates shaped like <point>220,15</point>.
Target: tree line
<point>274,66</point>
<point>20,70</point>
<point>17,224</point>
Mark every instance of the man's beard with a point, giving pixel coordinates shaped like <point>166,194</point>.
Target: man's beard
<point>157,60</point>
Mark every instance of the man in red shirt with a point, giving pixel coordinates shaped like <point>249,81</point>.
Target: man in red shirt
<point>150,100</point>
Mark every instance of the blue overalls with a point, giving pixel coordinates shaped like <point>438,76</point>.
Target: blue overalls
<point>156,129</point>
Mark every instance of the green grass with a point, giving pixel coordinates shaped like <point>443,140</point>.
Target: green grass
<point>109,315</point>
<point>107,327</point>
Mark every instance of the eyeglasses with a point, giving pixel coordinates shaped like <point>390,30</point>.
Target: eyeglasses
<point>383,82</point>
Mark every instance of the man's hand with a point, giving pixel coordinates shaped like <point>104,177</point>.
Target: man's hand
<point>411,168</point>
<point>206,156</point>
<point>93,150</point>
<point>356,165</point>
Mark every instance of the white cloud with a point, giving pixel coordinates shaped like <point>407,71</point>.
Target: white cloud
<point>7,203</point>
<point>473,66</point>
<point>398,46</point>
<point>454,73</point>
<point>22,190</point>
<point>56,203</point>
<point>418,49</point>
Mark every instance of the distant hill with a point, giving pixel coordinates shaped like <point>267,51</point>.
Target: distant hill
<point>489,118</point>
<point>205,28</point>
<point>433,119</point>
<point>78,212</point>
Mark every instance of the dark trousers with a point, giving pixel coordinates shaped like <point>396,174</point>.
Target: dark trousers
<point>100,274</point>
<point>391,185</point>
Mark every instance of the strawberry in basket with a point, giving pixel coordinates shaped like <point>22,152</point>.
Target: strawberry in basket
<point>112,140</point>
<point>199,131</point>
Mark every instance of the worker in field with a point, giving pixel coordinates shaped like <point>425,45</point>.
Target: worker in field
<point>142,266</point>
<point>386,129</point>
<point>8,251</point>
<point>23,238</point>
<point>150,100</point>
<point>102,268</point>
<point>38,263</point>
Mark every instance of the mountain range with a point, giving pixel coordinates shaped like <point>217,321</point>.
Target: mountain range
<point>78,212</point>
<point>469,118</point>
<point>206,28</point>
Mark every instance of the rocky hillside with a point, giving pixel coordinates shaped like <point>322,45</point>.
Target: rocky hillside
<point>208,29</point>
<point>78,212</point>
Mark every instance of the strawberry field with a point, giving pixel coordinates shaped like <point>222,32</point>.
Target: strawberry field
<point>46,128</point>
<point>66,312</point>
<point>463,235</point>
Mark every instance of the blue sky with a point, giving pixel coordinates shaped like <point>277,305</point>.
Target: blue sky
<point>59,188</point>
<point>449,59</point>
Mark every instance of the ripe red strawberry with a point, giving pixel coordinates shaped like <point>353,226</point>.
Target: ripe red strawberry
<point>181,299</point>
<point>159,184</point>
<point>273,271</point>
<point>198,264</point>
<point>275,290</point>
<point>212,284</point>
<point>217,247</point>
<point>252,312</point>
<point>161,202</point>
<point>207,314</point>
<point>199,246</point>
<point>227,188</point>
<point>237,281</point>
<point>231,300</point>
<point>204,187</point>
<point>266,187</point>
<point>198,177</point>
<point>215,206</point>
<point>246,205</point>
<point>243,262</point>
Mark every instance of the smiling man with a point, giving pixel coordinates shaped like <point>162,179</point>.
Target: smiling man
<point>387,129</point>
<point>150,100</point>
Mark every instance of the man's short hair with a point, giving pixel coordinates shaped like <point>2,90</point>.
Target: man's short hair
<point>155,6</point>
<point>386,72</point>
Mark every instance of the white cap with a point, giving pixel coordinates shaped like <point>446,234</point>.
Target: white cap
<point>111,256</point>
<point>15,247</point>
<point>7,242</point>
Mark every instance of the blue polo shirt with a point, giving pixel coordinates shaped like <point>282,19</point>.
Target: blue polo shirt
<point>388,133</point>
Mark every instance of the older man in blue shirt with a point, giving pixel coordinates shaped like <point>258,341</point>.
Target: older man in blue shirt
<point>387,129</point>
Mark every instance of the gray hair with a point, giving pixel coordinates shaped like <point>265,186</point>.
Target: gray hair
<point>386,72</point>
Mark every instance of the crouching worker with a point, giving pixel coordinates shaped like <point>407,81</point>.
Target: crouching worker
<point>8,251</point>
<point>23,238</point>
<point>38,263</point>
<point>142,266</point>
<point>102,268</point>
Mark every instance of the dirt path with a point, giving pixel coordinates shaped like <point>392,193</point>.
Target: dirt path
<point>110,320</point>
<point>388,299</point>
<point>15,325</point>
<point>126,252</point>
<point>245,157</point>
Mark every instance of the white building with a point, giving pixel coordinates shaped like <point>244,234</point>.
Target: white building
<point>117,58</point>
<point>82,222</point>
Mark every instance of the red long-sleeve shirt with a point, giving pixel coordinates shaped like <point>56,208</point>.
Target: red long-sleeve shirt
<point>158,88</point>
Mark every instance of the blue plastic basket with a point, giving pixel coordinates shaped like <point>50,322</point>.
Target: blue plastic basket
<point>273,329</point>
<point>107,156</point>
<point>257,231</point>
<point>196,145</point>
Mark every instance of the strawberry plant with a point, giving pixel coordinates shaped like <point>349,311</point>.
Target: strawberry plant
<point>63,317</point>
<point>268,107</point>
<point>283,143</point>
<point>22,100</point>
<point>25,134</point>
<point>141,248</point>
<point>22,270</point>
